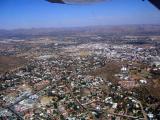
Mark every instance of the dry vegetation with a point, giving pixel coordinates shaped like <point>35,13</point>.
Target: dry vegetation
<point>154,88</point>
<point>111,68</point>
<point>8,63</point>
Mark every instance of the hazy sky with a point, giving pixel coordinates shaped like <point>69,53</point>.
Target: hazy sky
<point>39,13</point>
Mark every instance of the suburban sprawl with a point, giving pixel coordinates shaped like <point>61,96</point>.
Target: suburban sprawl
<point>81,74</point>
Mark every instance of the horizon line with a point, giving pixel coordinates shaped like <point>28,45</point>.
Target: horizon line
<point>70,27</point>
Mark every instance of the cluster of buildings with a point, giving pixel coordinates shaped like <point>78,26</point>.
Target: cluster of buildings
<point>61,86</point>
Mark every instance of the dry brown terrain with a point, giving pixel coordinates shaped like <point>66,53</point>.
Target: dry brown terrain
<point>8,63</point>
<point>111,68</point>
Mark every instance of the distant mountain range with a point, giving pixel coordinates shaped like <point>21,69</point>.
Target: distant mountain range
<point>120,29</point>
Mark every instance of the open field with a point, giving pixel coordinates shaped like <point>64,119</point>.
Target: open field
<point>8,63</point>
<point>108,71</point>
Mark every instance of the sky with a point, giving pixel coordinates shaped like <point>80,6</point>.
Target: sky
<point>15,14</point>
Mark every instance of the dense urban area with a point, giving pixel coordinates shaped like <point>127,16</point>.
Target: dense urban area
<point>90,73</point>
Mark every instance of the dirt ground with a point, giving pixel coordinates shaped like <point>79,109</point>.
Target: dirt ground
<point>8,63</point>
<point>111,68</point>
